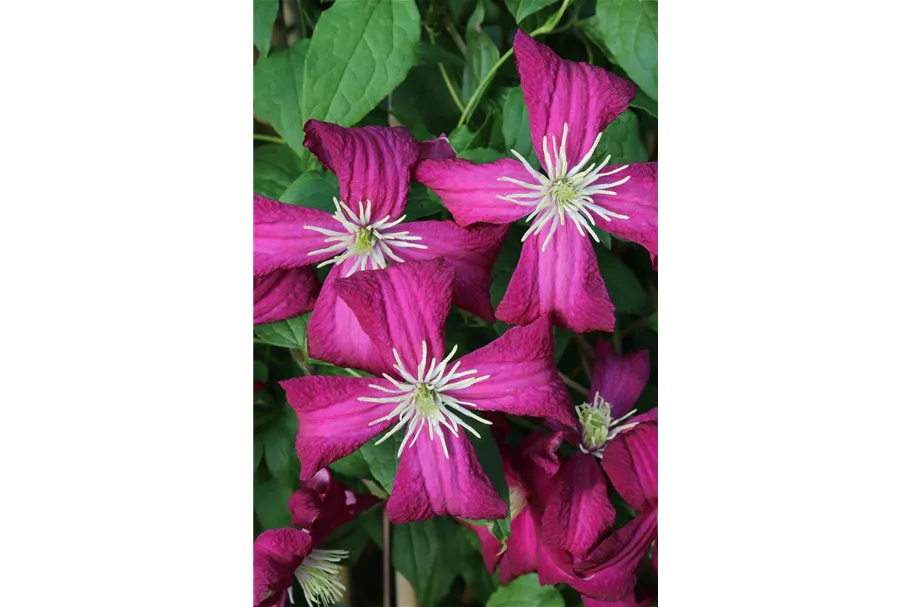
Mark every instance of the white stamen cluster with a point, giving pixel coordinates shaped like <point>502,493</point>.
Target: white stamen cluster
<point>598,427</point>
<point>565,192</point>
<point>426,398</point>
<point>368,242</point>
<point>319,577</point>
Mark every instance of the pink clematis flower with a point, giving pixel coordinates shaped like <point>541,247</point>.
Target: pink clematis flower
<point>612,441</point>
<point>569,105</point>
<point>373,166</point>
<point>284,293</point>
<point>279,555</point>
<point>402,309</point>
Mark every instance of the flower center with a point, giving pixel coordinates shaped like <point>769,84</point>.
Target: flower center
<point>363,240</point>
<point>597,426</point>
<point>319,578</point>
<point>427,398</point>
<point>565,192</point>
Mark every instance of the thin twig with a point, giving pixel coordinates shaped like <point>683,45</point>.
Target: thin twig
<point>572,384</point>
<point>456,37</point>
<point>445,74</point>
<point>270,138</point>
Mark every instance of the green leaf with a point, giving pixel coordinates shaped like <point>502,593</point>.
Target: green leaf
<point>270,504</point>
<point>430,554</point>
<point>516,128</point>
<point>264,13</point>
<point>621,139</point>
<point>277,86</point>
<point>258,448</point>
<point>624,288</point>
<point>260,371</point>
<point>353,465</point>
<point>423,100</point>
<point>289,333</point>
<point>644,102</point>
<point>526,591</point>
<point>422,202</point>
<point>629,28</point>
<point>279,454</point>
<point>274,168</point>
<point>482,53</point>
<point>382,460</point>
<point>312,189</point>
<point>652,322</point>
<point>361,50</point>
<point>523,8</point>
<point>481,155</point>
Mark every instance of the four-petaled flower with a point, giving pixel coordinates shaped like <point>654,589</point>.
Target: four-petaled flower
<point>366,232</point>
<point>280,555</point>
<point>402,309</point>
<point>569,105</point>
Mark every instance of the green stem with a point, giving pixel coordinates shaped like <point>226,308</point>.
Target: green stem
<point>445,74</point>
<point>472,104</point>
<point>259,137</point>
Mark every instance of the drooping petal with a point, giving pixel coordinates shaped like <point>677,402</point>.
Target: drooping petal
<point>631,462</point>
<point>334,334</point>
<point>579,512</point>
<point>276,554</point>
<point>332,422</point>
<point>284,293</point>
<point>609,573</point>
<point>638,200</point>
<point>521,555</point>
<point>563,281</point>
<point>428,484</point>
<point>322,505</point>
<point>402,306</point>
<point>435,148</point>
<point>523,377</point>
<point>471,191</point>
<point>279,237</point>
<point>372,163</point>
<point>471,251</point>
<point>619,379</point>
<point>558,92</point>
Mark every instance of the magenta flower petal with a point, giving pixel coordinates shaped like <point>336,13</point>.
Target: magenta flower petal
<point>564,281</point>
<point>609,573</point>
<point>471,251</point>
<point>276,554</point>
<point>323,504</point>
<point>438,148</point>
<point>619,379</point>
<point>579,512</point>
<point>428,484</point>
<point>279,237</point>
<point>631,462</point>
<point>472,191</point>
<point>401,307</point>
<point>637,199</point>
<point>523,377</point>
<point>334,333</point>
<point>284,293</point>
<point>332,422</point>
<point>558,92</point>
<point>521,554</point>
<point>372,163</point>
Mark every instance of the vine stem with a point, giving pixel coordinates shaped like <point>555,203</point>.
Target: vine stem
<point>445,74</point>
<point>572,384</point>
<point>268,138</point>
<point>471,106</point>
<point>387,561</point>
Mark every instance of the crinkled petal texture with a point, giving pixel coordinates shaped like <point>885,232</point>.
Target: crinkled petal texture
<point>372,163</point>
<point>471,251</point>
<point>322,505</point>
<point>523,377</point>
<point>471,191</point>
<point>619,379</point>
<point>638,200</point>
<point>279,238</point>
<point>332,422</point>
<point>284,293</point>
<point>276,554</point>
<point>334,334</point>
<point>578,513</point>
<point>402,306</point>
<point>438,148</point>
<point>521,554</point>
<point>631,462</point>
<point>428,484</point>
<point>563,281</point>
<point>609,573</point>
<point>558,92</point>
